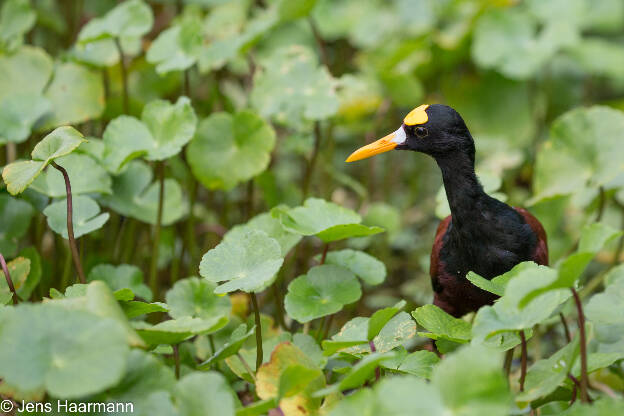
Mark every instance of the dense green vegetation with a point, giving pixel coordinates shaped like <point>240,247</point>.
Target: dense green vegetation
<point>181,231</point>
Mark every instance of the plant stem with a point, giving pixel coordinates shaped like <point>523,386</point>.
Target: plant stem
<point>190,240</point>
<point>319,42</point>
<point>259,353</point>
<point>156,242</point>
<point>523,362</point>
<point>307,178</point>
<point>583,342</point>
<point>176,360</point>
<point>565,328</point>
<point>124,76</point>
<point>186,83</point>
<point>324,255</point>
<point>246,366</point>
<point>278,304</point>
<point>601,204</point>
<point>70,225</point>
<point>7,276</point>
<point>328,326</point>
<point>377,370</point>
<point>119,239</point>
<point>212,346</point>
<point>11,152</point>
<point>250,199</point>
<point>507,362</point>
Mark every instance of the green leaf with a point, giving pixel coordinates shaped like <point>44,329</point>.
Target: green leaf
<point>171,126</point>
<point>135,195</point>
<point>365,266</point>
<point>497,284</point>
<point>60,142</point>
<point>289,10</point>
<point>489,393</point>
<point>85,175</point>
<point>419,364</point>
<point>15,216</point>
<point>131,18</point>
<point>237,339</point>
<point>380,318</point>
<point>359,374</point>
<point>76,94</point>
<point>296,378</point>
<point>507,40</point>
<point>204,394</point>
<point>593,238</point>
<point>442,325</point>
<point>177,48</point>
<point>68,353</point>
<point>163,130</point>
<point>271,226</point>
<point>392,396</point>
<point>607,307</point>
<point>352,338</point>
<point>546,375</point>
<point>145,378</point>
<point>175,331</point>
<point>257,408</point>
<point>603,407</point>
<point>98,299</point>
<point>508,316</point>
<point>326,220</point>
<point>195,298</point>
<point>248,263</point>
<point>85,215</point>
<point>578,156</point>
<point>132,309</point>
<point>16,19</point>
<point>229,149</point>
<point>292,88</point>
<point>25,72</point>
<point>18,114</point>
<point>308,345</point>
<point>121,277</point>
<point>226,46</point>
<point>324,290</point>
<point>270,377</point>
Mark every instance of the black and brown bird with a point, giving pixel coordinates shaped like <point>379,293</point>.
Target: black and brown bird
<point>482,234</point>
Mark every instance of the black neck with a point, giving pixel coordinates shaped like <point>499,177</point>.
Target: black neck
<point>463,190</point>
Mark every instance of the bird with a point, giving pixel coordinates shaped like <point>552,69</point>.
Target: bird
<point>482,234</point>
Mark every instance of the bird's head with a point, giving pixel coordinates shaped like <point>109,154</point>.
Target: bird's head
<point>437,130</point>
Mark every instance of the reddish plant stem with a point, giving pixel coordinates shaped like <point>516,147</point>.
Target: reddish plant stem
<point>583,342</point>
<point>176,360</point>
<point>70,224</point>
<point>259,353</point>
<point>307,178</point>
<point>523,362</point>
<point>324,255</point>
<point>377,369</point>
<point>7,276</point>
<point>565,328</point>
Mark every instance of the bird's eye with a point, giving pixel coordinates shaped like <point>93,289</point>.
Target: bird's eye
<point>421,132</point>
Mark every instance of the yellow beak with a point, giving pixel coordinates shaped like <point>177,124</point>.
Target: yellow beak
<point>382,145</point>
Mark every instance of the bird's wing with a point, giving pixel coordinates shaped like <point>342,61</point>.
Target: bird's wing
<point>437,246</point>
<point>540,255</point>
